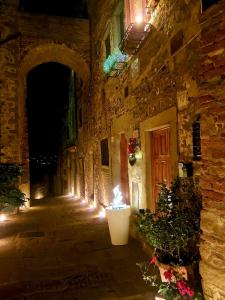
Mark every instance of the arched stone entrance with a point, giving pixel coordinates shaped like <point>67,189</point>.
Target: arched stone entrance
<point>43,53</point>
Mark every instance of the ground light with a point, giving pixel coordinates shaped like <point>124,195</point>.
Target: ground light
<point>92,205</point>
<point>102,213</point>
<point>2,218</point>
<point>83,201</point>
<point>39,195</point>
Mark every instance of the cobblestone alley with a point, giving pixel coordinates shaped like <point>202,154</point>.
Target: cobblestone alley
<point>59,249</point>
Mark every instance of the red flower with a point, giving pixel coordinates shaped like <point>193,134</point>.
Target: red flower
<point>168,275</point>
<point>153,260</point>
<point>190,292</point>
<point>181,284</point>
<point>182,287</point>
<point>131,149</point>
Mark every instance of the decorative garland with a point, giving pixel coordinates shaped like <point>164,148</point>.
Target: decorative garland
<point>133,149</point>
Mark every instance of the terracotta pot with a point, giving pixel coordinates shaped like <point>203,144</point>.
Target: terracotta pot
<point>181,270</point>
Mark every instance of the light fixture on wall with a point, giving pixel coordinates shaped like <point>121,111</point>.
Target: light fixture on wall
<point>138,19</point>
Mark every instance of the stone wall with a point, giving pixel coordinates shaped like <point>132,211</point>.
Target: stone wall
<point>161,79</point>
<point>25,42</point>
<point>9,51</point>
<point>191,79</point>
<point>211,81</point>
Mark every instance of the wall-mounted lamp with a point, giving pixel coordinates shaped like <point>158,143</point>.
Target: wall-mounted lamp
<point>138,19</point>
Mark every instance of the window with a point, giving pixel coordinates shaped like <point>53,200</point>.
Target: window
<point>207,3</point>
<point>104,152</point>
<point>196,138</point>
<point>107,45</point>
<point>118,25</point>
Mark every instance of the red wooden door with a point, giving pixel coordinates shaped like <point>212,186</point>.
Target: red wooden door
<point>124,169</point>
<point>160,150</point>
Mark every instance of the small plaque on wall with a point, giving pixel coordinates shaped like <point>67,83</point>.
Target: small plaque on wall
<point>182,100</point>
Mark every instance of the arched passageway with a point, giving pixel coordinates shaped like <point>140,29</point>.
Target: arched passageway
<point>44,53</point>
<point>51,111</point>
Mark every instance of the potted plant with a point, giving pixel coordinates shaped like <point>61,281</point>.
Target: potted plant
<point>173,230</point>
<point>11,197</point>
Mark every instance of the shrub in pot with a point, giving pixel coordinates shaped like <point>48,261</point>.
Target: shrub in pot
<point>11,196</point>
<point>173,230</point>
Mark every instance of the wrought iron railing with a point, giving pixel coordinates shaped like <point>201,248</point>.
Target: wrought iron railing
<point>134,37</point>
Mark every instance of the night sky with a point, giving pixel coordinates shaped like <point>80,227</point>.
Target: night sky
<point>69,8</point>
<point>47,99</point>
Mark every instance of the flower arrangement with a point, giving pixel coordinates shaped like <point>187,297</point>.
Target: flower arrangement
<point>115,57</point>
<point>174,286</point>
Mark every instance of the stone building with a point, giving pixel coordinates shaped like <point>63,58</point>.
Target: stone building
<point>151,76</point>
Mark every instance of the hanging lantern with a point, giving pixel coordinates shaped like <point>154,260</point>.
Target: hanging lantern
<point>136,24</point>
<point>136,12</point>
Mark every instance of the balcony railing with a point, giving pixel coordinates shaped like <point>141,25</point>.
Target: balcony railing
<point>134,37</point>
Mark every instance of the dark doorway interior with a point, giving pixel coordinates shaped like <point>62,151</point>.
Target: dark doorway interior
<point>47,102</point>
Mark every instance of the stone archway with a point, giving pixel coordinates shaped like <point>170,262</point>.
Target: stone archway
<point>43,53</point>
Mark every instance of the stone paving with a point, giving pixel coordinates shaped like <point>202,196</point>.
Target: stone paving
<point>59,249</point>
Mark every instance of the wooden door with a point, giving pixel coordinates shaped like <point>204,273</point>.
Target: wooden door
<point>160,153</point>
<point>124,169</point>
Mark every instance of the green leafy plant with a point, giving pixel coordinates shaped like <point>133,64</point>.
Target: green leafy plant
<point>174,229</point>
<point>10,194</point>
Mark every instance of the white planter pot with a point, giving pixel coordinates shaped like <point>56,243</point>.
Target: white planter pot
<point>118,221</point>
